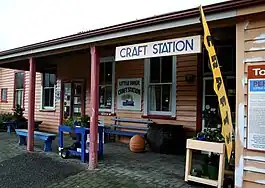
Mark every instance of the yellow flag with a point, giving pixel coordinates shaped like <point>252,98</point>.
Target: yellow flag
<point>219,88</point>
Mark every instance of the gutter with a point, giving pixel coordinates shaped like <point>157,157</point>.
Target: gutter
<point>185,14</point>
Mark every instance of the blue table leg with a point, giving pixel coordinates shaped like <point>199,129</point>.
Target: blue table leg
<point>100,143</point>
<point>60,139</point>
<point>22,140</point>
<point>83,147</point>
<point>48,145</point>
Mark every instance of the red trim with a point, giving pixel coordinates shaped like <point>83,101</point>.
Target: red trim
<point>24,85</point>
<point>159,117</point>
<point>5,100</point>
<point>199,93</point>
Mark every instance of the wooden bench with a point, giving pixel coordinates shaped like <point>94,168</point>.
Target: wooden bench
<point>47,137</point>
<point>115,128</point>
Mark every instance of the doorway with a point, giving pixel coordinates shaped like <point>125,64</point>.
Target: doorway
<point>226,58</point>
<point>73,98</point>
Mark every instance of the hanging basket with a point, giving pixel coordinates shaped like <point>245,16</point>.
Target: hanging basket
<point>137,144</point>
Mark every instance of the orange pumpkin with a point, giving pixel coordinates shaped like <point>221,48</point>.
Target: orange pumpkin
<point>137,144</point>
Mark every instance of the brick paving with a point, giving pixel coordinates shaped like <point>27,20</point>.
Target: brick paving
<point>120,168</point>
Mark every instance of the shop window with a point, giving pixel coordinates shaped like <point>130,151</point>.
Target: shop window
<point>106,85</point>
<point>48,90</point>
<point>4,95</point>
<point>160,86</point>
<point>19,89</point>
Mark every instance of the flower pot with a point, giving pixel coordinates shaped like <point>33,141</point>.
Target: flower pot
<point>137,144</point>
<point>212,172</point>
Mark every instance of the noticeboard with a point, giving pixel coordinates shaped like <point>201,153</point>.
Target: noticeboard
<point>256,108</point>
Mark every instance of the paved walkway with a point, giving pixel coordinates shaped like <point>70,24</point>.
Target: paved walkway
<point>119,168</point>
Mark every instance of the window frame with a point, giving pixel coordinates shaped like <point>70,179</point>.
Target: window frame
<point>147,84</point>
<point>42,107</point>
<point>15,89</point>
<point>5,100</point>
<point>109,59</point>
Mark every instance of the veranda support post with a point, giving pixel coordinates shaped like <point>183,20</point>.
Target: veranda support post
<point>93,151</point>
<point>31,104</point>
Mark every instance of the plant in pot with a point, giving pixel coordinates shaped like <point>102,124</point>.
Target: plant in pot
<point>84,121</point>
<point>18,117</point>
<point>5,117</point>
<point>212,133</point>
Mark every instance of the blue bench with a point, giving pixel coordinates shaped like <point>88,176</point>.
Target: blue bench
<point>47,137</point>
<point>125,130</point>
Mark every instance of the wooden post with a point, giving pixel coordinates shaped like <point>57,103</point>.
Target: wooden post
<point>93,146</point>
<point>31,104</point>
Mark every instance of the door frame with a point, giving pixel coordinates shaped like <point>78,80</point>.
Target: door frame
<point>83,96</point>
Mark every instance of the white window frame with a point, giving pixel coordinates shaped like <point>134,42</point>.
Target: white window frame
<point>147,70</point>
<point>42,107</point>
<point>110,59</point>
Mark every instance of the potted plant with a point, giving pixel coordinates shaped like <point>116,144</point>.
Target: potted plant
<point>5,117</point>
<point>18,117</point>
<point>212,133</point>
<point>84,121</point>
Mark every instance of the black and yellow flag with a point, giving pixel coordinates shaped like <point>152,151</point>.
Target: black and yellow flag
<point>219,88</point>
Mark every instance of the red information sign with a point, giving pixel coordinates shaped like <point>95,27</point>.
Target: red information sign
<point>256,71</point>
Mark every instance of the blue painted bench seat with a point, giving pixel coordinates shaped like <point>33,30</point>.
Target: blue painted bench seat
<point>46,137</point>
<point>125,130</point>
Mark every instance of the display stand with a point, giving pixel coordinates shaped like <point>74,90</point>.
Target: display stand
<point>83,152</point>
<point>209,147</point>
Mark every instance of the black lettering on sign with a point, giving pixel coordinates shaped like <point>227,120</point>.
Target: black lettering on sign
<point>209,40</point>
<point>228,138</point>
<point>218,82</point>
<point>215,61</point>
<point>223,101</point>
<point>226,119</point>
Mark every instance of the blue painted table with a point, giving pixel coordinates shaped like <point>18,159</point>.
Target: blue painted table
<point>83,132</point>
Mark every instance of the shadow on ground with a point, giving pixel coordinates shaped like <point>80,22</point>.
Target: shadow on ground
<point>34,170</point>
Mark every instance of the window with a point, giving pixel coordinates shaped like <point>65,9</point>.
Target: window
<point>48,90</point>
<point>4,95</point>
<point>106,84</point>
<point>19,89</point>
<point>160,86</point>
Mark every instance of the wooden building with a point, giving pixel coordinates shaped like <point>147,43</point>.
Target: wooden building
<point>174,89</point>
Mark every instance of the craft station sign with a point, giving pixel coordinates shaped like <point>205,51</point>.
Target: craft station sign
<point>129,94</point>
<point>179,46</point>
<point>256,108</point>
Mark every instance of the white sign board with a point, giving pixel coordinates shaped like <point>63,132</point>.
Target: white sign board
<point>129,94</point>
<point>256,110</point>
<point>178,46</point>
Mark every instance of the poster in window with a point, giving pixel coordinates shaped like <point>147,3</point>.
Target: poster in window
<point>129,94</point>
<point>256,108</point>
<point>58,91</point>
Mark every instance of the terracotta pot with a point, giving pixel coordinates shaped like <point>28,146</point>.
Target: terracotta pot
<point>137,144</point>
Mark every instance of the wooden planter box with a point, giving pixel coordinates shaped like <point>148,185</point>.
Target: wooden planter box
<point>209,147</point>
